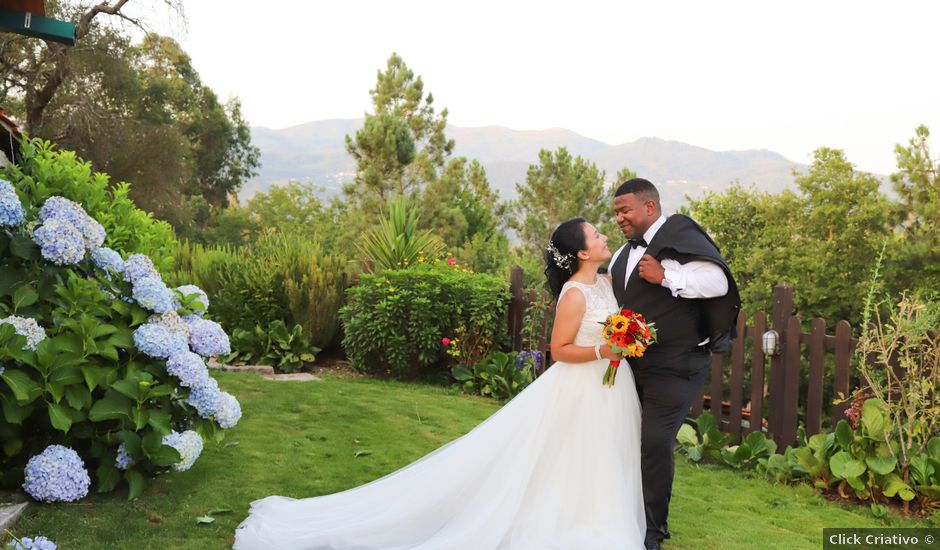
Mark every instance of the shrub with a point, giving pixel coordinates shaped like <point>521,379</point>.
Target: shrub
<point>45,172</point>
<point>394,322</point>
<point>500,376</point>
<point>276,346</point>
<point>277,278</point>
<point>83,338</point>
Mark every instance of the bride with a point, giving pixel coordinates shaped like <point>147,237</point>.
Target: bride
<point>556,468</point>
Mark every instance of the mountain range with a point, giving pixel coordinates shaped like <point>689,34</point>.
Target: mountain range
<point>317,151</point>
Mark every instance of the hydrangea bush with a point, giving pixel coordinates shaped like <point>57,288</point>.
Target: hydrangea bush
<point>103,378</point>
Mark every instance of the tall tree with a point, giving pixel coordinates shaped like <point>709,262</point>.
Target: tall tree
<point>919,211</point>
<point>402,146</point>
<point>822,240</point>
<point>558,188</point>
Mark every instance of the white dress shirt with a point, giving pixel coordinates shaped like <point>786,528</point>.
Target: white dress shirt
<point>695,279</point>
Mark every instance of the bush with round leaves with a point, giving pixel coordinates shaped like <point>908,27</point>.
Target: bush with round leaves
<point>102,364</point>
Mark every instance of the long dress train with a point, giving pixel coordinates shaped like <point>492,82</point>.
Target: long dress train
<point>556,468</point>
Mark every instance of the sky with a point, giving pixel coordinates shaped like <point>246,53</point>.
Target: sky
<point>725,75</point>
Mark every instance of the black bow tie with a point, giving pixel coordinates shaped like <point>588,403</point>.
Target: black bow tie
<point>637,242</point>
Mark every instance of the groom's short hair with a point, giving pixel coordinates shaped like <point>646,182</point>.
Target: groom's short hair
<point>640,187</point>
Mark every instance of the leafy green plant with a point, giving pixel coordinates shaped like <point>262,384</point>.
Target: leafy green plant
<point>397,242</point>
<point>746,455</point>
<point>88,377</point>
<point>45,171</point>
<point>287,350</point>
<point>394,322</point>
<point>708,441</point>
<point>498,376</point>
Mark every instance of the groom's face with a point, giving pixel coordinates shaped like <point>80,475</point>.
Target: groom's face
<point>634,214</point>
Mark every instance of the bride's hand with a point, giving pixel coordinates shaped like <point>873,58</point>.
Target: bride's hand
<point>607,354</point>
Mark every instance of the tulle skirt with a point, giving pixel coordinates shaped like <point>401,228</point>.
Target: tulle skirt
<point>556,468</point>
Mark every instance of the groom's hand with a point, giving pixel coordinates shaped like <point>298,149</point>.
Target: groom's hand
<point>650,270</point>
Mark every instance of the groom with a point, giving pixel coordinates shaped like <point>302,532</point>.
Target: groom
<point>671,272</point>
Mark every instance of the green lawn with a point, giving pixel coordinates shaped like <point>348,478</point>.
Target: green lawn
<point>302,439</point>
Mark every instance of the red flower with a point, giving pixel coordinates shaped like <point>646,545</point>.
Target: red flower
<point>629,339</point>
<point>633,328</point>
<point>451,261</point>
<point>619,339</point>
<point>445,341</point>
<point>626,312</point>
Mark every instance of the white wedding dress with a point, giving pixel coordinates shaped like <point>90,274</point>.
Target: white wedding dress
<point>556,468</point>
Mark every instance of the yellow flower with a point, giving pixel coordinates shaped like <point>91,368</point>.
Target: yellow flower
<point>391,289</point>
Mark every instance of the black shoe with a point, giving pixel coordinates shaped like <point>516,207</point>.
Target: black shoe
<point>652,545</point>
<point>668,535</point>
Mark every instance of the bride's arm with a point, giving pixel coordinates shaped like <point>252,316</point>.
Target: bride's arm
<point>567,322</point>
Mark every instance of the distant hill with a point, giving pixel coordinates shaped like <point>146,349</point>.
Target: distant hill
<point>317,151</point>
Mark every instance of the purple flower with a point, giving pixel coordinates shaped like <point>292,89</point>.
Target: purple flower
<point>157,341</point>
<point>189,368</point>
<point>138,266</point>
<point>189,446</point>
<point>229,412</point>
<point>206,399</point>
<point>56,475</point>
<point>207,338</point>
<point>60,242</point>
<point>153,294</point>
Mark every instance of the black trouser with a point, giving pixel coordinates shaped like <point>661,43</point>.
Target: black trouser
<point>665,399</point>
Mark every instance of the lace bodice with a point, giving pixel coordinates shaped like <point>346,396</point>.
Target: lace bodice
<point>599,303</point>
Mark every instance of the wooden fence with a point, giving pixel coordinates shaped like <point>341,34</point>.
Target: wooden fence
<point>798,386</point>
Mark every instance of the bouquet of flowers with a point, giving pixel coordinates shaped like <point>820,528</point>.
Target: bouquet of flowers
<point>628,334</point>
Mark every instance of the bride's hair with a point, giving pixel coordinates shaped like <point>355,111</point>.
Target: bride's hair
<point>561,253</point>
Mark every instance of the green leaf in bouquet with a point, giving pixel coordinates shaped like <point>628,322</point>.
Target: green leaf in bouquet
<point>66,375</point>
<point>95,376</point>
<point>78,396</point>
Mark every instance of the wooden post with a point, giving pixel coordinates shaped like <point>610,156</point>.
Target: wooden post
<point>791,384</point>
<point>757,374</point>
<point>840,381</point>
<point>717,386</point>
<point>817,360</point>
<point>516,307</point>
<point>736,381</point>
<point>783,308</point>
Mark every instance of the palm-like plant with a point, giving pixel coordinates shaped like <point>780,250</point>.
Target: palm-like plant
<point>397,242</point>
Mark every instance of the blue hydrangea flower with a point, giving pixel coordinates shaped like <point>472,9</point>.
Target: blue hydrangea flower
<point>138,266</point>
<point>56,475</point>
<point>153,294</point>
<point>27,327</point>
<point>2,368</point>
<point>206,399</point>
<point>189,368</point>
<point>229,413</point>
<point>207,338</point>
<point>11,209</point>
<point>60,242</point>
<point>123,459</point>
<point>63,209</point>
<point>26,543</point>
<point>108,260</point>
<point>173,323</point>
<point>157,341</point>
<point>189,446</point>
<point>202,298</point>
<point>93,232</point>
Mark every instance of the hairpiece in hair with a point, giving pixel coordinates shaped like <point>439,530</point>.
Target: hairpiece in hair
<point>561,260</point>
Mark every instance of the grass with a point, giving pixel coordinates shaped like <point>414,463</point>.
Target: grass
<point>310,438</point>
